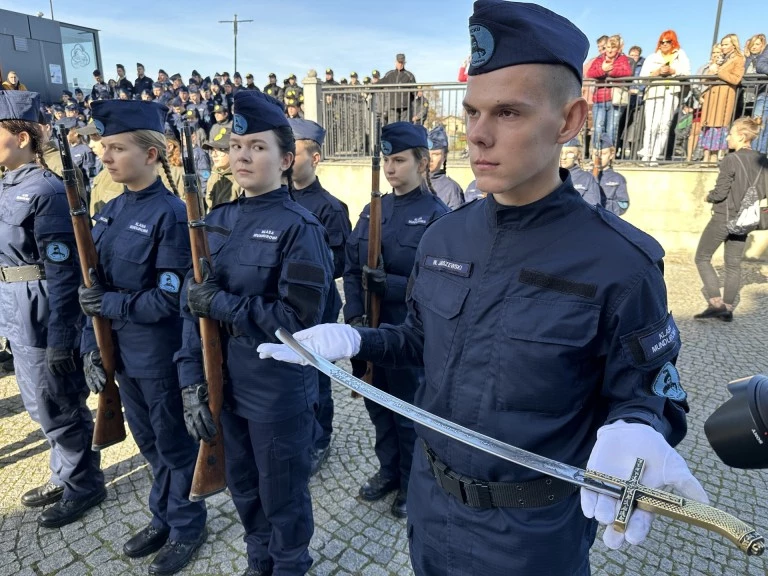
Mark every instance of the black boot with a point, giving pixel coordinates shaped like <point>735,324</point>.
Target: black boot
<point>173,556</point>
<point>257,572</point>
<point>318,456</point>
<point>377,487</point>
<point>146,542</point>
<point>42,495</point>
<point>67,511</point>
<point>713,312</point>
<point>399,509</point>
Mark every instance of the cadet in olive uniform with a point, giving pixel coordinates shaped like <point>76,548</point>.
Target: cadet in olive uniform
<point>39,276</point>
<point>272,268</point>
<point>549,331</point>
<point>223,121</point>
<point>334,216</point>
<point>143,245</point>
<point>405,216</point>
<point>272,89</point>
<point>221,186</point>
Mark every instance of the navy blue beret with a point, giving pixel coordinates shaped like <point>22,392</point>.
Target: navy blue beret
<point>194,88</point>
<point>510,33</point>
<point>438,139</point>
<point>400,136</point>
<point>118,116</point>
<point>256,112</point>
<point>67,92</point>
<point>68,123</point>
<point>605,141</point>
<point>78,91</point>
<point>183,89</point>
<point>71,106</point>
<point>572,143</point>
<point>307,130</point>
<point>19,105</point>
<point>176,102</point>
<point>157,84</point>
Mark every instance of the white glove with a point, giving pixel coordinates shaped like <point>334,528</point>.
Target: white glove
<point>617,448</point>
<point>331,341</point>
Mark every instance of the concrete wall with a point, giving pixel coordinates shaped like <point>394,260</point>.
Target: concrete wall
<point>666,203</point>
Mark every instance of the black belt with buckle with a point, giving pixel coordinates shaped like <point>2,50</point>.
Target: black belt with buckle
<point>22,273</point>
<point>480,494</point>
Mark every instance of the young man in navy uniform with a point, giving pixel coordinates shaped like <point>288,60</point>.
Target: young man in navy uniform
<point>550,331</point>
<point>334,216</point>
<point>583,181</point>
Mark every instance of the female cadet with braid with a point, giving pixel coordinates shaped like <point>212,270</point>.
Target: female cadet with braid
<point>405,216</point>
<point>143,245</point>
<point>39,314</point>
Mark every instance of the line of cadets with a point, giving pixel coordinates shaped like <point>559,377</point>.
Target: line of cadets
<point>270,236</point>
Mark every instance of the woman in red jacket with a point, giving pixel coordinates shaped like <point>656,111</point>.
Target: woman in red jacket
<point>611,64</point>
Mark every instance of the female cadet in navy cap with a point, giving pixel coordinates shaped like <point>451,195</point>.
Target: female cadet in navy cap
<point>39,275</point>
<point>405,216</point>
<point>271,268</point>
<point>143,245</point>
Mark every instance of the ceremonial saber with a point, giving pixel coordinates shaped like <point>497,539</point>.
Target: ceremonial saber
<point>630,493</point>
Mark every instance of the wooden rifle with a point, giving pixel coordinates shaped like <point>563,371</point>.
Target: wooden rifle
<point>109,427</point>
<point>209,478</point>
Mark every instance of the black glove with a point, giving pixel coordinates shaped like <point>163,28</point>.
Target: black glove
<point>95,376</point>
<point>91,298</point>
<point>200,296</point>
<point>197,414</point>
<point>375,279</point>
<point>60,361</point>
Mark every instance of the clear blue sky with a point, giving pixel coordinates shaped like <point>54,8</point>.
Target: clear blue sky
<point>292,36</point>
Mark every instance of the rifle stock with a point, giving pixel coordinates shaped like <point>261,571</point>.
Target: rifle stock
<point>109,427</point>
<point>373,301</point>
<point>209,478</point>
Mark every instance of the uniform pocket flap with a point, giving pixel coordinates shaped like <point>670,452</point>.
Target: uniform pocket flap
<point>550,321</point>
<point>258,255</point>
<point>441,295</point>
<point>133,247</point>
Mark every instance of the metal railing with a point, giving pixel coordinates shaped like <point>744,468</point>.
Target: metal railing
<point>648,120</point>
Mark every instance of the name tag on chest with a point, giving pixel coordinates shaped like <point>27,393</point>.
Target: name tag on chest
<point>418,221</point>
<point>25,197</point>
<point>141,228</point>
<point>451,266</point>
<point>267,235</point>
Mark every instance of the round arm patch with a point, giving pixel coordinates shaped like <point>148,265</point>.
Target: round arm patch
<point>169,282</point>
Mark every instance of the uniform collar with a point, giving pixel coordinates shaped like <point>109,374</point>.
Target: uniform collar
<point>247,204</point>
<point>156,187</point>
<point>314,187</point>
<point>13,177</point>
<point>409,197</point>
<point>555,205</point>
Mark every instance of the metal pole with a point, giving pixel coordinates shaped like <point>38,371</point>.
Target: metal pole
<point>51,2</point>
<point>235,27</point>
<point>717,22</point>
<point>234,23</point>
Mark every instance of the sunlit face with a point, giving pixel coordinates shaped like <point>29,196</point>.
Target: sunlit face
<point>757,46</point>
<point>716,53</point>
<point>304,165</point>
<point>611,50</point>
<point>146,97</point>
<point>125,161</point>
<point>512,131</point>
<point>606,156</point>
<point>436,159</point>
<point>601,46</point>
<point>735,140</point>
<point>666,46</point>
<point>96,146</point>
<point>221,117</point>
<point>12,78</point>
<point>726,45</point>
<point>15,149</point>
<point>402,171</point>
<point>162,77</point>
<point>635,55</point>
<point>140,70</point>
<point>257,162</point>
<point>568,157</point>
<point>220,159</point>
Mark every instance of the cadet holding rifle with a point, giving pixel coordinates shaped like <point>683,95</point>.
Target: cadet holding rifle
<point>143,246</point>
<point>39,276</point>
<point>271,268</point>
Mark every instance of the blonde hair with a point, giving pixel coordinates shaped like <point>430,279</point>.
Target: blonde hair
<point>747,127</point>
<point>735,42</point>
<point>617,40</point>
<point>754,39</point>
<point>146,139</point>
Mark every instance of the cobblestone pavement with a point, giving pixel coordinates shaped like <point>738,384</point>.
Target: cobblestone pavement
<point>353,537</point>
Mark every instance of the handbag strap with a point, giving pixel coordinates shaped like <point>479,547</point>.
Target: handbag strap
<point>760,173</point>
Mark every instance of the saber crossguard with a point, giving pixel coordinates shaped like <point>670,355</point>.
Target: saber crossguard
<point>634,494</point>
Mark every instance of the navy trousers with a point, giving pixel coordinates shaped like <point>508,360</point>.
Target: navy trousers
<point>395,435</point>
<point>268,476</point>
<point>58,405</point>
<point>155,416</point>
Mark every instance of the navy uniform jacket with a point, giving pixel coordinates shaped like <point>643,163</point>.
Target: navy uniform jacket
<point>102,91</point>
<point>36,229</point>
<point>202,166</point>
<point>143,83</point>
<point>447,189</point>
<point>83,157</point>
<point>126,85</point>
<point>334,216</point>
<point>143,244</point>
<point>614,193</point>
<point>535,333</point>
<point>585,184</point>
<point>272,261</point>
<point>403,222</point>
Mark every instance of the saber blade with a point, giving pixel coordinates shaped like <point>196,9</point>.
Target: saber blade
<point>630,493</point>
